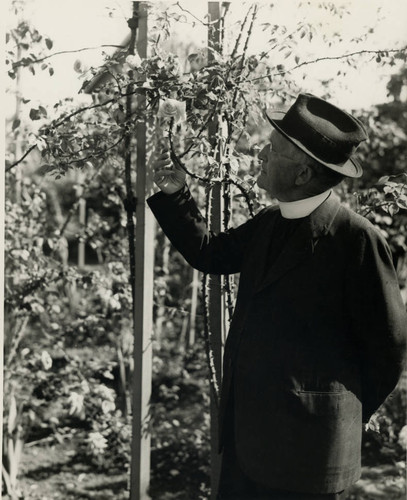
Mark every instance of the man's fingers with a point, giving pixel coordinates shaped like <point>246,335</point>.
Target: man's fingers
<point>163,172</point>
<point>162,163</point>
<point>164,155</point>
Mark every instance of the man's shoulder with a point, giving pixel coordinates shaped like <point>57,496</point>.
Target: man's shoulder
<point>265,213</point>
<point>268,210</point>
<point>356,226</point>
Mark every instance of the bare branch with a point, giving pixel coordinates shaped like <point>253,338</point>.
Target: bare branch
<point>249,34</point>
<point>194,16</point>
<point>41,59</point>
<point>226,6</point>
<point>21,159</point>
<point>240,34</point>
<point>328,58</point>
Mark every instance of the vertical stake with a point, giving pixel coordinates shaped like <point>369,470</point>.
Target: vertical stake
<point>216,296</point>
<point>142,293</point>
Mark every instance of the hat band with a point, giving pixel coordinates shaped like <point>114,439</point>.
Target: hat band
<point>316,142</point>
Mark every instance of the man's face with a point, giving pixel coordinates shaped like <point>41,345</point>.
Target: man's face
<point>279,167</point>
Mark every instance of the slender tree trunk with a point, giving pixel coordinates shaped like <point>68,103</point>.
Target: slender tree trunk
<point>161,308</point>
<point>123,393</point>
<point>184,329</point>
<point>194,306</point>
<point>82,220</point>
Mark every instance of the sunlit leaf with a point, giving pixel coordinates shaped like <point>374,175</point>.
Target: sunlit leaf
<point>34,114</point>
<point>16,123</point>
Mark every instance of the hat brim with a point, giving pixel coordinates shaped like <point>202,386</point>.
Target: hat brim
<point>351,168</point>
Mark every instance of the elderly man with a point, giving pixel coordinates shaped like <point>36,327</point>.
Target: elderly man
<point>316,340</point>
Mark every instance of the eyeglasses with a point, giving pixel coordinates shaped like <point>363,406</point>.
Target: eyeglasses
<point>270,150</point>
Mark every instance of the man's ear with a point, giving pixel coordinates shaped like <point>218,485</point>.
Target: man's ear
<point>304,175</point>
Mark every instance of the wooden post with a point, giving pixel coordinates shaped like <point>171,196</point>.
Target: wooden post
<point>143,296</point>
<point>216,301</point>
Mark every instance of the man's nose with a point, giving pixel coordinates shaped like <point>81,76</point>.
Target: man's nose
<point>262,156</point>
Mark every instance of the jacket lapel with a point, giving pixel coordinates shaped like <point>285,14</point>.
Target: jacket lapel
<point>301,244</point>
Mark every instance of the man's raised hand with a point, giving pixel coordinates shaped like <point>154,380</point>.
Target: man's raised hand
<point>168,177</point>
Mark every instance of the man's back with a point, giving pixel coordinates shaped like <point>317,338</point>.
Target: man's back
<point>311,338</point>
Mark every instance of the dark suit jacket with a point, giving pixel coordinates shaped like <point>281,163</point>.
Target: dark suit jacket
<point>316,340</point>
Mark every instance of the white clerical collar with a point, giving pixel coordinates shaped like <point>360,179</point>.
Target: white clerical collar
<point>302,208</point>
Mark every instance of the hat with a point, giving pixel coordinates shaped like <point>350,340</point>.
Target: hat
<point>324,132</point>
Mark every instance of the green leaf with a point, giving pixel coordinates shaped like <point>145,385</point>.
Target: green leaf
<point>35,114</point>
<point>16,123</point>
<point>383,179</point>
<point>49,43</point>
<point>402,202</point>
<point>392,209</point>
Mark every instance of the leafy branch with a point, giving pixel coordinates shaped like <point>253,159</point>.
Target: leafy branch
<point>241,185</point>
<point>100,153</point>
<point>32,286</point>
<point>177,160</point>
<point>64,120</point>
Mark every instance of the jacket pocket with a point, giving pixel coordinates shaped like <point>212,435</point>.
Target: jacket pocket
<point>327,403</point>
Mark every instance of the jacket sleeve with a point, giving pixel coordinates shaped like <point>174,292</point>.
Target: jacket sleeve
<point>378,318</point>
<point>182,222</point>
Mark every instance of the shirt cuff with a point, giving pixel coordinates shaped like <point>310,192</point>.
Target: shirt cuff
<point>179,195</point>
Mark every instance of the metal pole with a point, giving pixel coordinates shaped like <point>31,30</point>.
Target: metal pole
<point>143,296</point>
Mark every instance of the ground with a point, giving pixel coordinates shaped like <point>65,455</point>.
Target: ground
<point>50,472</point>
